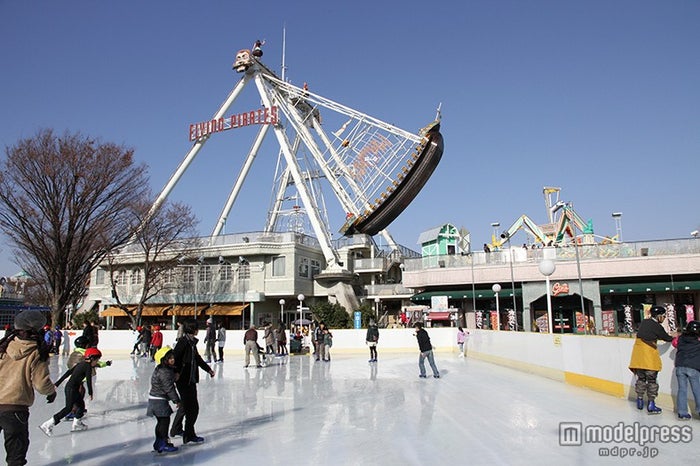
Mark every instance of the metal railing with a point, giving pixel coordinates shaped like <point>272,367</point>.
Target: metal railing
<point>389,289</point>
<point>564,253</point>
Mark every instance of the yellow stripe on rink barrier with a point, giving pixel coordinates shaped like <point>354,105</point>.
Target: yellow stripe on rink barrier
<point>594,383</point>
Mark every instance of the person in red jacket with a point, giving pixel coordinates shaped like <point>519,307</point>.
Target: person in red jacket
<point>156,341</point>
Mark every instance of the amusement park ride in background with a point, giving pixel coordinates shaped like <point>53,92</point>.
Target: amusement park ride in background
<point>562,228</point>
<point>372,168</point>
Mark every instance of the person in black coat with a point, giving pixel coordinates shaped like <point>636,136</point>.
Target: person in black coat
<point>688,368</point>
<point>89,333</point>
<point>426,351</point>
<point>187,365</point>
<point>371,339</point>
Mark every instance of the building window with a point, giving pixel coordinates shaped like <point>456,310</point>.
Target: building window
<point>243,270</point>
<point>188,274</point>
<point>204,273</point>
<point>304,267</point>
<point>169,277</point>
<point>278,266</point>
<point>135,277</point>
<point>225,272</point>
<point>100,277</point>
<point>121,278</point>
<point>315,268</point>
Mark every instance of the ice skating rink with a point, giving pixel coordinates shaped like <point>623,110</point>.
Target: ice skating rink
<point>350,412</point>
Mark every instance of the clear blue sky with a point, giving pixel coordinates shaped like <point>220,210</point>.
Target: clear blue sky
<point>600,98</point>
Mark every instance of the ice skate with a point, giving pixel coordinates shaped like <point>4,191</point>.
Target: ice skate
<point>169,448</point>
<point>47,427</point>
<point>640,403</point>
<point>684,417</point>
<point>78,425</point>
<point>161,446</point>
<point>194,439</point>
<point>652,408</point>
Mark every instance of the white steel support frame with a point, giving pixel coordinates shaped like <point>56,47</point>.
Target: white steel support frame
<point>363,162</point>
<point>240,179</point>
<point>283,182</point>
<point>306,137</point>
<point>322,234</point>
<point>196,147</point>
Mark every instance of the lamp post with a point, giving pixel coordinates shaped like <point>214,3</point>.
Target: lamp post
<point>282,310</point>
<point>506,236</point>
<point>618,225</point>
<point>376,308</point>
<point>547,268</point>
<point>200,261</point>
<point>242,277</point>
<point>578,270</point>
<point>496,289</point>
<point>471,256</point>
<point>301,298</point>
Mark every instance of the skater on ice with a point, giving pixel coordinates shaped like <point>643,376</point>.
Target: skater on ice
<point>187,365</point>
<point>688,368</point>
<point>159,397</point>
<point>645,361</point>
<point>75,400</point>
<point>24,367</point>
<point>372,338</point>
<point>426,351</point>
<point>462,336</point>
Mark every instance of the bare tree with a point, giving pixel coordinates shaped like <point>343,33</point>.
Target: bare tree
<point>64,203</point>
<point>164,236</point>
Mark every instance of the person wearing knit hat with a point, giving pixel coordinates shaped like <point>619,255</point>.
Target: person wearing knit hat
<point>24,368</point>
<point>30,320</point>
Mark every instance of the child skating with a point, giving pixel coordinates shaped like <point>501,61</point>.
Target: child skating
<point>78,355</point>
<point>75,398</point>
<point>162,392</point>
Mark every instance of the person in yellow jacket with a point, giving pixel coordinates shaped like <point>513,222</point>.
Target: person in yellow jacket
<point>645,361</point>
<point>24,368</point>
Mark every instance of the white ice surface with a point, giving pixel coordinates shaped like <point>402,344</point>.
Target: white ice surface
<point>348,412</point>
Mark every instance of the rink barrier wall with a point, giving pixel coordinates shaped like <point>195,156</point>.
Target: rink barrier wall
<point>595,362</point>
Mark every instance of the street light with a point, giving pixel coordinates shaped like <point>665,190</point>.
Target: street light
<point>376,307</point>
<point>547,268</point>
<point>301,298</point>
<point>618,225</point>
<point>471,257</point>
<point>584,311</point>
<point>243,275</point>
<point>496,289</point>
<point>282,310</point>
<point>506,236</point>
<point>200,261</point>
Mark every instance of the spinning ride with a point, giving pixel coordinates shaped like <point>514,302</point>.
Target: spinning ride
<point>373,169</point>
